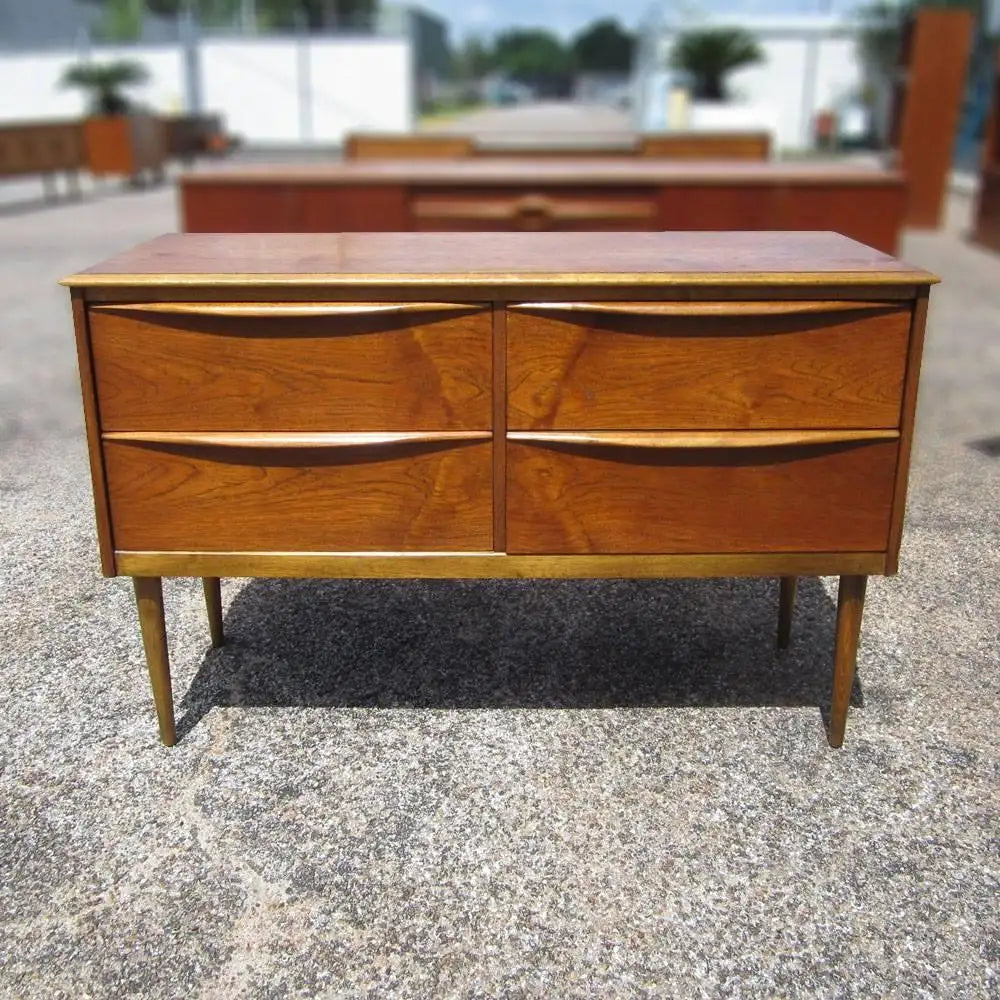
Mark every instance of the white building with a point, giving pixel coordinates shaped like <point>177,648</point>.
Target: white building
<point>811,64</point>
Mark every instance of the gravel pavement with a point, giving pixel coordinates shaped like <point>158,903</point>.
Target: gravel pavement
<point>492,789</point>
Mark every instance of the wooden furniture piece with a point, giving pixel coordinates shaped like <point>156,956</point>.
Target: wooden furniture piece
<point>932,73</point>
<point>190,135</point>
<point>131,146</point>
<point>44,148</point>
<point>986,229</point>
<point>510,194</point>
<point>696,145</point>
<point>504,405</point>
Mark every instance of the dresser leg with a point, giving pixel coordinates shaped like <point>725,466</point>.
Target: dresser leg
<point>850,605</point>
<point>786,608</point>
<point>149,600</point>
<point>213,603</point>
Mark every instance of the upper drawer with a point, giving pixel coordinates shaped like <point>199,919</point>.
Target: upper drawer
<point>293,366</point>
<point>725,365</point>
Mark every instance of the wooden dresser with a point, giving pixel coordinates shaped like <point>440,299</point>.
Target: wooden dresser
<point>501,405</point>
<point>537,194</point>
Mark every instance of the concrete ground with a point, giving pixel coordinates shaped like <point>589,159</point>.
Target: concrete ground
<point>507,789</point>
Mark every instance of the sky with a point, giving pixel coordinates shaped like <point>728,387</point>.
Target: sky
<point>566,17</point>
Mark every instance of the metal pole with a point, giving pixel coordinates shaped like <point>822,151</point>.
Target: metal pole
<point>191,54</point>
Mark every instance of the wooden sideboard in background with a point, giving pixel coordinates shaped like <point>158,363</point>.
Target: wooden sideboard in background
<point>752,145</point>
<point>43,148</point>
<point>469,405</point>
<point>866,204</point>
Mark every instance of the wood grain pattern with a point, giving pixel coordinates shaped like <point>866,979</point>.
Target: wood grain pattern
<point>295,439</point>
<point>577,499</point>
<point>391,370</point>
<point>577,261</point>
<point>408,497</point>
<point>907,425</point>
<point>92,423</point>
<point>494,565</point>
<point>611,369</point>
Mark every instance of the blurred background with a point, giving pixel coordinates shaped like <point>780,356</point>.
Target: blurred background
<point>816,74</point>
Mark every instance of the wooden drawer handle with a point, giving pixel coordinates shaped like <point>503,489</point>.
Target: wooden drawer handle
<point>533,206</point>
<point>704,308</point>
<point>701,439</point>
<point>254,310</point>
<point>353,439</point>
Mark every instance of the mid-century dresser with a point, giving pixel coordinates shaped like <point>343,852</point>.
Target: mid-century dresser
<point>500,405</point>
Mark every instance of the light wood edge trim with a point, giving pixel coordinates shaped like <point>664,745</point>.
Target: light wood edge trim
<point>463,279</point>
<point>701,439</point>
<point>354,439</point>
<point>493,565</point>
<point>734,308</point>
<point>278,311</point>
<point>562,211</point>
<point>92,422</point>
<point>499,427</point>
<point>907,422</point>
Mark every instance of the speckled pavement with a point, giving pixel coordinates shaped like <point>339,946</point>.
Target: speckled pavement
<point>485,790</point>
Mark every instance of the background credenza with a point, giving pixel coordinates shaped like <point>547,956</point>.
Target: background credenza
<point>503,405</point>
<point>866,204</point>
<point>666,145</point>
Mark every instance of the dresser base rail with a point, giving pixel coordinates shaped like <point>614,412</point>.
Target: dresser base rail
<point>495,565</point>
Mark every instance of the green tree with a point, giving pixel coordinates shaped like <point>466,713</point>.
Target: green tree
<point>603,47</point>
<point>711,54</point>
<point>103,83</point>
<point>314,14</point>
<point>535,57</point>
<point>474,59</point>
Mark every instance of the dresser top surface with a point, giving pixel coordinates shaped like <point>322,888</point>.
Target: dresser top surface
<point>534,170</point>
<point>502,259</point>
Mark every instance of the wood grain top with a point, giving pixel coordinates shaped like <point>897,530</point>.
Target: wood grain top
<point>571,170</point>
<point>500,260</point>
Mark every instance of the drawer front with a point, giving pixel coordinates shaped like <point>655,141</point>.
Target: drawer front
<point>433,496</point>
<point>521,209</point>
<point>720,365</point>
<point>567,498</point>
<point>292,367</point>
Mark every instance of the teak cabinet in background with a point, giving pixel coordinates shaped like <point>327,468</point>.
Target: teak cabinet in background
<point>502,405</point>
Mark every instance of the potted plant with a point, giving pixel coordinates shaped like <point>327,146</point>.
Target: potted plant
<point>710,54</point>
<point>117,138</point>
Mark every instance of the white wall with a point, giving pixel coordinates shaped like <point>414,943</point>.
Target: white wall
<point>811,64</point>
<point>268,90</point>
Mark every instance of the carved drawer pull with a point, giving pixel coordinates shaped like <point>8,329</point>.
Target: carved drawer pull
<point>255,310</point>
<point>354,439</point>
<point>700,439</point>
<point>704,308</point>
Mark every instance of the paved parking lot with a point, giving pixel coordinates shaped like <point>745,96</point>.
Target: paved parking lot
<point>508,789</point>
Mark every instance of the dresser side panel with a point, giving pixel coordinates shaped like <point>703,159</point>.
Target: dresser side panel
<point>88,387</point>
<point>907,424</point>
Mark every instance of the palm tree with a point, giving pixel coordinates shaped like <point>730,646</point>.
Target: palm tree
<point>103,82</point>
<point>708,55</point>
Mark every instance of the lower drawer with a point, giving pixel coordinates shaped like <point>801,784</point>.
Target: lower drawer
<point>389,496</point>
<point>590,495</point>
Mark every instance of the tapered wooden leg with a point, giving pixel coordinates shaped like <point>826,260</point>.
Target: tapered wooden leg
<point>213,602</point>
<point>786,608</point>
<point>149,599</point>
<point>850,606</point>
